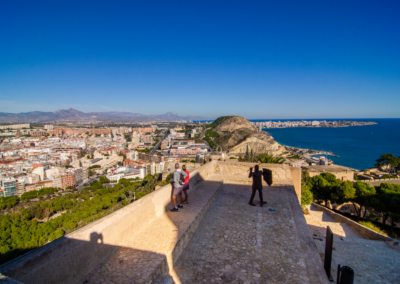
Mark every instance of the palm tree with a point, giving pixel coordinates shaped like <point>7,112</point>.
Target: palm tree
<point>270,159</point>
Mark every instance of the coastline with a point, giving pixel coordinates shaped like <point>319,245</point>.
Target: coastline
<point>358,147</point>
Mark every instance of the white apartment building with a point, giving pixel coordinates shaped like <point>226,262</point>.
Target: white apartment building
<point>132,155</point>
<point>15,126</point>
<point>127,172</point>
<point>32,178</point>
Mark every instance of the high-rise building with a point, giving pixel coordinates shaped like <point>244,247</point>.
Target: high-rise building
<point>20,184</point>
<point>9,187</point>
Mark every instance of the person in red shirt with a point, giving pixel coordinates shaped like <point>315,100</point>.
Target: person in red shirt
<point>186,185</point>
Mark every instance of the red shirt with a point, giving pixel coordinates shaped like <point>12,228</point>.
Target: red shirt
<point>187,178</point>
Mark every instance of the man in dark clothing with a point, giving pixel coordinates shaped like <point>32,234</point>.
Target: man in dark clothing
<point>257,185</point>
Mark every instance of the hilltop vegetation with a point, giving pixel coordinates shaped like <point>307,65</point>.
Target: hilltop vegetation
<point>219,120</point>
<point>43,222</point>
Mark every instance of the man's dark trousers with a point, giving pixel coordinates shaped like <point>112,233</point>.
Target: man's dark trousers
<point>259,193</point>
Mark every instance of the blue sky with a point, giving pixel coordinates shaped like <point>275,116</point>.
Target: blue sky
<point>258,59</point>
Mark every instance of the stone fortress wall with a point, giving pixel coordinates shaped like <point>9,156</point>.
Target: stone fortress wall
<point>72,257</point>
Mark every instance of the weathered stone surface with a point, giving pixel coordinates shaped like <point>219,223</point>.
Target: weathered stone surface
<point>238,243</point>
<point>373,261</point>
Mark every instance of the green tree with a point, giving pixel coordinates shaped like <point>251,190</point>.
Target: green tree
<point>364,193</point>
<point>387,201</point>
<point>321,189</point>
<point>8,202</point>
<point>29,195</point>
<point>103,179</point>
<point>342,192</point>
<point>389,161</point>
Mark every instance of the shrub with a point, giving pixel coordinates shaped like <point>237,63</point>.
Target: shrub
<point>8,202</point>
<point>70,225</point>
<point>140,195</point>
<point>29,195</point>
<point>103,179</point>
<point>372,227</point>
<point>306,196</point>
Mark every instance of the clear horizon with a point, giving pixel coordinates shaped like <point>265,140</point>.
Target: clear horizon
<point>275,60</point>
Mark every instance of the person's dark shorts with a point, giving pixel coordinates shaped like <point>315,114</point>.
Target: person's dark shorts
<point>185,186</point>
<point>177,191</point>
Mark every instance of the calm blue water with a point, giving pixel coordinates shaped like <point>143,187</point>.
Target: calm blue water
<point>357,146</point>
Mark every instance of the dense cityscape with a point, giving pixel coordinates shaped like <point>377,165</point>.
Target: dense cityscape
<point>33,158</point>
<point>312,123</point>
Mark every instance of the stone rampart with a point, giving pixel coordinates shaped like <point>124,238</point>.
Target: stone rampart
<point>71,258</point>
<point>82,250</point>
<point>362,230</point>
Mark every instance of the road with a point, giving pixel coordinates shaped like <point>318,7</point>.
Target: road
<point>295,153</point>
<point>157,145</point>
<point>208,145</point>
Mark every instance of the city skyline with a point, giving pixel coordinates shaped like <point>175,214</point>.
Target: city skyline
<point>260,61</point>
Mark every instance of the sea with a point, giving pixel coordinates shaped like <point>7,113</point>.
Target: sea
<point>357,146</point>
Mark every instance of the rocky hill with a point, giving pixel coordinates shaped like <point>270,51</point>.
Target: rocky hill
<point>236,135</point>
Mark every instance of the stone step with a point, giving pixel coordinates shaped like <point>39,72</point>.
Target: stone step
<point>148,254</point>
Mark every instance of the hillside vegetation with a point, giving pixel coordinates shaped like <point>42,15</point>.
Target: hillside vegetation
<point>43,222</point>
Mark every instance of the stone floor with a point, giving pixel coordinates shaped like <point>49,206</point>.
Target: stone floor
<point>372,261</point>
<point>238,243</point>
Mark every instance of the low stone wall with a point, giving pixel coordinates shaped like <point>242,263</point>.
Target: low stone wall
<point>70,258</point>
<point>279,171</point>
<point>381,180</point>
<point>362,230</point>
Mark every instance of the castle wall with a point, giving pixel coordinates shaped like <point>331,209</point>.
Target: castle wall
<point>84,249</point>
<point>72,257</point>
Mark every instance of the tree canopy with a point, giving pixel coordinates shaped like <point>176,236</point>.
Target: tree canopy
<point>34,226</point>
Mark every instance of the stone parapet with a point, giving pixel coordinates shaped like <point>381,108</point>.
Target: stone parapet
<point>362,230</point>
<point>140,242</point>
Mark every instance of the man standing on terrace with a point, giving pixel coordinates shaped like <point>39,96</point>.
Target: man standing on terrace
<point>178,180</point>
<point>257,185</point>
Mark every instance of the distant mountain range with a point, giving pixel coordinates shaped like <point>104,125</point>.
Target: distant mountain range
<point>73,115</point>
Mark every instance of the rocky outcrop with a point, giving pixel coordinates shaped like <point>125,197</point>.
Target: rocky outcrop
<point>238,135</point>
